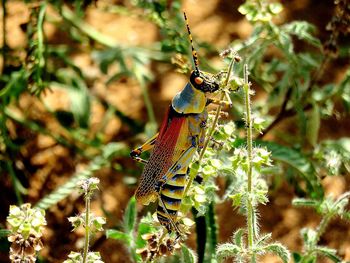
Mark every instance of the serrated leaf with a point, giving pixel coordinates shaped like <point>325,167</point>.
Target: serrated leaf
<point>188,255</point>
<point>279,250</point>
<point>118,235</point>
<point>238,237</point>
<point>299,162</point>
<point>129,219</point>
<point>227,250</point>
<point>302,30</point>
<point>328,252</point>
<point>236,199</point>
<point>263,239</point>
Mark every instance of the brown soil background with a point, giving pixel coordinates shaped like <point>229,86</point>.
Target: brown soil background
<point>49,165</point>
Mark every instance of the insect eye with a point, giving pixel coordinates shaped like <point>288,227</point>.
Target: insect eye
<point>198,80</point>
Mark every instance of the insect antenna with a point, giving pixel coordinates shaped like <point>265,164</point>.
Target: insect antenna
<point>194,53</point>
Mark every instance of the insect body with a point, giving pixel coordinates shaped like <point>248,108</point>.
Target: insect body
<point>181,134</point>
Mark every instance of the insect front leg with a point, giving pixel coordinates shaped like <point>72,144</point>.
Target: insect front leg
<point>147,146</point>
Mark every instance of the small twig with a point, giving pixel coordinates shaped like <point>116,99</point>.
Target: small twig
<point>216,118</point>
<point>250,209</point>
<point>87,228</point>
<point>280,115</point>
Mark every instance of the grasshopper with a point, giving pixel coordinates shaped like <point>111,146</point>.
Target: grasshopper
<point>181,134</point>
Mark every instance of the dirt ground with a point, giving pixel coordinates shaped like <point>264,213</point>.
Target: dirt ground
<point>49,165</point>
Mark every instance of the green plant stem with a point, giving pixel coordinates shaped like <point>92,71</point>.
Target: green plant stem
<point>212,226</point>
<point>147,101</point>
<point>87,228</point>
<point>17,186</point>
<point>322,227</point>
<point>40,49</point>
<point>212,128</point>
<point>250,209</point>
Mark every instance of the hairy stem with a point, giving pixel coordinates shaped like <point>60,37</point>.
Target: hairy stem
<point>87,228</point>
<point>250,208</point>
<point>216,118</point>
<point>322,227</point>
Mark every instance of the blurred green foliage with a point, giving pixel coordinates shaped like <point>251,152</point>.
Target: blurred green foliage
<point>295,81</point>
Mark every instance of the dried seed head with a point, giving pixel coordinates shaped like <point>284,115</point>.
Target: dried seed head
<point>163,250</point>
<point>230,52</point>
<point>225,53</point>
<point>339,25</point>
<point>153,245</point>
<point>143,252</point>
<point>149,236</point>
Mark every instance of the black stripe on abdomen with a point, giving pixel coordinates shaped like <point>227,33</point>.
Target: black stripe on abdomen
<point>171,196</point>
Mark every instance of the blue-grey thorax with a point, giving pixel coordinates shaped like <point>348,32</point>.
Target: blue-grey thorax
<point>189,100</point>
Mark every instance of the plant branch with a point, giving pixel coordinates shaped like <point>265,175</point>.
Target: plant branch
<point>280,116</point>
<point>215,121</point>
<point>250,209</point>
<point>87,228</point>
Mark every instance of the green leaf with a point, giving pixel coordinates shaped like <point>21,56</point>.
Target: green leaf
<point>188,255</point>
<point>80,106</point>
<point>246,8</point>
<point>118,235</point>
<point>238,237</point>
<point>309,236</point>
<point>299,162</point>
<point>286,43</point>
<point>328,252</point>
<point>275,8</point>
<point>4,233</point>
<point>297,258</point>
<point>227,250</point>
<point>305,202</point>
<point>279,250</point>
<point>313,125</point>
<point>303,30</point>
<point>263,239</point>
<point>130,215</point>
<point>236,199</point>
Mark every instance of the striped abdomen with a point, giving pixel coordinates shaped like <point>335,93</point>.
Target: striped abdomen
<point>170,196</point>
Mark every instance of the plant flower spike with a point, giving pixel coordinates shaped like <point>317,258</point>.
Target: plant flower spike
<point>26,225</point>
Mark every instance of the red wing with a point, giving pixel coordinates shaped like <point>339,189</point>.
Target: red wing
<point>161,158</point>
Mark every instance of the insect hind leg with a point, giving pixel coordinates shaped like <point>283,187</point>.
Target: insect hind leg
<point>170,198</point>
<point>167,219</point>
